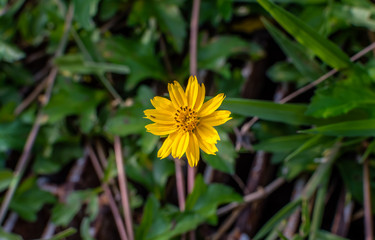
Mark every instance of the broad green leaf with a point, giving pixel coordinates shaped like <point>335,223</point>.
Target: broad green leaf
<point>357,15</point>
<point>143,62</point>
<point>28,200</point>
<point>286,72</point>
<point>9,52</point>
<point>339,99</point>
<point>6,177</point>
<point>84,11</point>
<point>13,135</point>
<point>346,129</point>
<point>286,113</point>
<point>63,213</point>
<point>72,99</point>
<point>168,16</point>
<point>212,55</point>
<point>323,48</point>
<point>9,236</point>
<point>296,52</point>
<point>224,160</point>
<point>126,121</point>
<point>75,63</point>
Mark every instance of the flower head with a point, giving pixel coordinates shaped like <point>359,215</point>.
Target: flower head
<point>187,121</point>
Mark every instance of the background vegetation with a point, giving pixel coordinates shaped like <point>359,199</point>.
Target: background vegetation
<point>75,77</point>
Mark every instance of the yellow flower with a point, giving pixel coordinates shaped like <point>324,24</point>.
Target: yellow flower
<point>187,120</point>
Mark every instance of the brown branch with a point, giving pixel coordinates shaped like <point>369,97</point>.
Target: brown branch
<point>123,187</point>
<point>369,232</point>
<point>180,185</point>
<point>259,194</point>
<point>293,220</point>
<point>112,204</point>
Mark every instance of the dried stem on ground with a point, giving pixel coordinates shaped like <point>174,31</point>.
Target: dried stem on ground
<point>180,185</point>
<point>112,204</point>
<point>343,215</point>
<point>293,221</point>
<point>369,231</point>
<point>123,187</point>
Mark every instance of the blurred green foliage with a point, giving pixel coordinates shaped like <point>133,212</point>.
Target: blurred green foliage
<point>122,53</point>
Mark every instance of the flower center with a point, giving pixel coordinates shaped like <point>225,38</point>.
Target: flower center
<point>186,119</point>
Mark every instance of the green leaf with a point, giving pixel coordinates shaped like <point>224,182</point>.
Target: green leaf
<point>13,135</point>
<point>286,113</point>
<point>75,63</point>
<point>224,160</point>
<point>281,144</point>
<point>143,62</point>
<point>63,213</point>
<point>72,99</point>
<point>214,53</point>
<point>84,11</point>
<point>29,199</point>
<point>168,17</point>
<point>297,53</point>
<point>62,235</point>
<point>6,177</point>
<point>9,52</point>
<point>9,236</point>
<point>126,121</point>
<point>356,15</point>
<point>346,129</point>
<point>323,48</point>
<point>324,235</point>
<point>340,99</point>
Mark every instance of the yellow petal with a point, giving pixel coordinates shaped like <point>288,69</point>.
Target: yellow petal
<point>166,148</point>
<point>159,117</point>
<point>177,95</point>
<point>180,144</point>
<point>160,129</point>
<point>216,118</point>
<point>163,104</point>
<point>209,148</point>
<point>208,133</point>
<point>211,105</point>
<point>192,152</point>
<point>200,97</point>
<point>192,91</point>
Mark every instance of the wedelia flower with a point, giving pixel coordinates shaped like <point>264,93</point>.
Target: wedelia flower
<point>188,122</point>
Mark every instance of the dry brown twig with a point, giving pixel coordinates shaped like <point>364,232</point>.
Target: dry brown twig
<point>123,187</point>
<point>112,204</point>
<point>369,231</point>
